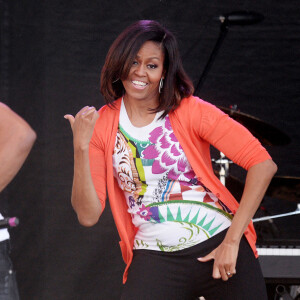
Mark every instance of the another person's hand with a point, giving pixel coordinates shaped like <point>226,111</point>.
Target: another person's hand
<point>83,126</point>
<point>224,256</point>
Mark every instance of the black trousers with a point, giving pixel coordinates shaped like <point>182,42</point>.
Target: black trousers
<point>179,276</point>
<point>8,283</point>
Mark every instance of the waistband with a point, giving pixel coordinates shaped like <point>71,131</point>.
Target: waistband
<point>4,245</point>
<point>202,248</point>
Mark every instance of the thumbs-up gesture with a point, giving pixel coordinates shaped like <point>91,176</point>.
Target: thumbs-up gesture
<point>82,126</point>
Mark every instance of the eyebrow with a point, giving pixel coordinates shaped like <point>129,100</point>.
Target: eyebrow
<point>149,58</point>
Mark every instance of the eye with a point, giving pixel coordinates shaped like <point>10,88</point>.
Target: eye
<point>152,66</point>
<point>134,62</point>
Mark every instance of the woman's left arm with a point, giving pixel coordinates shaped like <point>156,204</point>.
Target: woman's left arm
<point>225,255</point>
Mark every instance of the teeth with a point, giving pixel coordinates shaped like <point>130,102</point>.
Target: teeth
<point>139,83</point>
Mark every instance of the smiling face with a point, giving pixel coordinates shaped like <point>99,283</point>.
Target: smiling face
<point>147,69</point>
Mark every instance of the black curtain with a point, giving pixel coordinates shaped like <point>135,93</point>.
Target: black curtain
<point>51,57</point>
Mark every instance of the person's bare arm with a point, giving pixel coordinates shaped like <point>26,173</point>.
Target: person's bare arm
<point>84,198</point>
<point>16,140</point>
<point>225,255</point>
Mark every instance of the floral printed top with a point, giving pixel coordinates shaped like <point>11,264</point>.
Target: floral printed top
<point>170,207</point>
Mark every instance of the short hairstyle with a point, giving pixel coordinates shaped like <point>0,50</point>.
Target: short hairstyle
<point>122,53</point>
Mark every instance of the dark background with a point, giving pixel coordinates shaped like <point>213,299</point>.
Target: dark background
<point>52,53</point>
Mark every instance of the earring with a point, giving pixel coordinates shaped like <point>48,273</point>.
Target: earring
<point>161,84</point>
<point>116,80</point>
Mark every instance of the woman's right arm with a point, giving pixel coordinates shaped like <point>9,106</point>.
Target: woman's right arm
<point>84,197</point>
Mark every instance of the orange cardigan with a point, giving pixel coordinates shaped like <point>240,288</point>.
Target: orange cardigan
<point>196,124</point>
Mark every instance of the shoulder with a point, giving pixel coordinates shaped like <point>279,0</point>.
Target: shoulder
<point>193,101</point>
<point>110,109</point>
<point>109,112</point>
<point>199,115</point>
<point>195,106</point>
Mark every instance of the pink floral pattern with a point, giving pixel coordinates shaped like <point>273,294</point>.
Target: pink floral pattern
<point>144,212</point>
<point>167,153</point>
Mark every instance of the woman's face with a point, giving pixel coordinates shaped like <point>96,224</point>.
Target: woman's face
<point>147,69</point>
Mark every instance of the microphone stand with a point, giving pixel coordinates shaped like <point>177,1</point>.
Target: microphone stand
<point>296,212</point>
<point>222,35</point>
<point>224,167</point>
<point>235,18</point>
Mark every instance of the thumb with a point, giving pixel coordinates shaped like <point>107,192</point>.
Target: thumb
<point>208,257</point>
<point>70,118</point>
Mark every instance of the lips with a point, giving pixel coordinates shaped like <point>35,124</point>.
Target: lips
<point>139,84</point>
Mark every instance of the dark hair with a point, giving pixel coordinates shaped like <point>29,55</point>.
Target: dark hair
<point>122,53</point>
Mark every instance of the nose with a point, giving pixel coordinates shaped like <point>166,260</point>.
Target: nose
<point>140,70</point>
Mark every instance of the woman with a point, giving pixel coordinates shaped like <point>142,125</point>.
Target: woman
<point>150,147</point>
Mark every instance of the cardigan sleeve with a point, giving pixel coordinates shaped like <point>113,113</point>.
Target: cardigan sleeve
<point>228,136</point>
<point>98,165</point>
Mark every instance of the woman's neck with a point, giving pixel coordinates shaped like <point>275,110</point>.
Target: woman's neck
<point>138,111</point>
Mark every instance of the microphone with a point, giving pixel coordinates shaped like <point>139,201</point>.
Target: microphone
<point>9,222</point>
<point>241,18</point>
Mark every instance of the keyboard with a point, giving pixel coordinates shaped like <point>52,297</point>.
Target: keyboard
<point>280,261</point>
<point>278,251</point>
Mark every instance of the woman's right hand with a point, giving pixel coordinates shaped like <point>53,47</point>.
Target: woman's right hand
<point>83,126</point>
<point>84,196</point>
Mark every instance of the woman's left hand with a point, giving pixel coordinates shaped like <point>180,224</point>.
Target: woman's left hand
<point>224,256</point>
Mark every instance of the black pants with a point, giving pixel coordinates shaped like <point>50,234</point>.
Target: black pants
<point>8,283</point>
<point>179,276</point>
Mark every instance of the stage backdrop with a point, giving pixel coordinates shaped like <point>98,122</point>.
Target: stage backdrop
<point>52,53</point>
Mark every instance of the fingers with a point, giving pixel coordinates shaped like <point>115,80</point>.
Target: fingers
<point>220,269</point>
<point>231,273</point>
<point>92,114</point>
<point>208,257</point>
<point>86,112</point>
<point>225,260</point>
<point>70,118</point>
<point>216,273</point>
<point>224,272</point>
<point>83,126</point>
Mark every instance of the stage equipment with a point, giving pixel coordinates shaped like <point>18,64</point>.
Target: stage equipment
<point>282,292</point>
<point>9,222</point>
<point>267,134</point>
<point>296,212</point>
<point>223,163</point>
<point>279,256</point>
<point>241,18</point>
<point>279,259</point>
<point>285,188</point>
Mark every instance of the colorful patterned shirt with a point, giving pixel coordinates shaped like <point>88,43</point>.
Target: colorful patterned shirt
<point>171,208</point>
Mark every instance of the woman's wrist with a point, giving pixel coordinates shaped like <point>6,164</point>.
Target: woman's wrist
<point>233,235</point>
<point>81,148</point>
